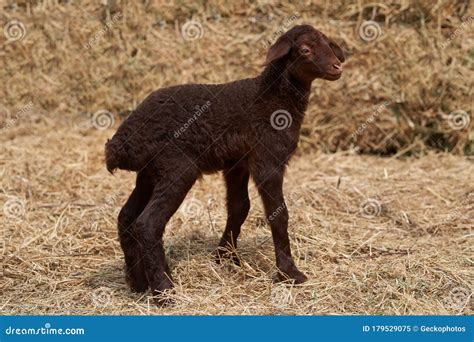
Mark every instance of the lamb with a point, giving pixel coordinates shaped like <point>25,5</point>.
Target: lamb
<point>246,128</point>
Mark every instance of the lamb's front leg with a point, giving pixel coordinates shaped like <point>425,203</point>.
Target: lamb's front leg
<point>270,187</point>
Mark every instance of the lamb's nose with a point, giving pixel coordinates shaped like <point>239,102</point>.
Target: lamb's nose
<point>338,67</point>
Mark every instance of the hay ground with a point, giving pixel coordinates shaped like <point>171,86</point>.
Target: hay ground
<point>374,235</point>
<point>410,80</point>
<point>406,251</point>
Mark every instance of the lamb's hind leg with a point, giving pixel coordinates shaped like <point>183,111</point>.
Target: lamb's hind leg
<point>238,206</point>
<point>134,268</point>
<point>167,196</point>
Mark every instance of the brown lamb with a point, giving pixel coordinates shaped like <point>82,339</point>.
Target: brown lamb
<point>246,128</point>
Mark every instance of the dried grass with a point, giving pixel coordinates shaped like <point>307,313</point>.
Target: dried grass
<point>375,235</point>
<point>421,64</point>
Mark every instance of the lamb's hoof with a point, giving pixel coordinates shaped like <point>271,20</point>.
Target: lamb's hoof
<point>162,292</point>
<point>295,276</point>
<point>222,254</point>
<point>162,301</point>
<point>137,283</point>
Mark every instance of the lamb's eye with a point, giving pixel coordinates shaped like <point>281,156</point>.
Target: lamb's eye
<point>305,51</point>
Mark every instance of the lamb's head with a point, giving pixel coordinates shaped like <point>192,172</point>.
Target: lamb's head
<point>306,54</point>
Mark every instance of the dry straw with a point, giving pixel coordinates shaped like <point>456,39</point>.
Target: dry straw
<point>83,57</point>
<point>375,235</point>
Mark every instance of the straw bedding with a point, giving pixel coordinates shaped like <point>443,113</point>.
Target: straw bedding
<point>375,235</point>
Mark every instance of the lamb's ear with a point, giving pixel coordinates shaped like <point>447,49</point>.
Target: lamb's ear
<point>337,50</point>
<point>281,47</point>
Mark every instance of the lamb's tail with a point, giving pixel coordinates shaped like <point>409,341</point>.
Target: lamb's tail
<point>120,154</point>
<point>113,151</point>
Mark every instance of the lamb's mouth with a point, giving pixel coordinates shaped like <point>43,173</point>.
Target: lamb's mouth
<point>333,76</point>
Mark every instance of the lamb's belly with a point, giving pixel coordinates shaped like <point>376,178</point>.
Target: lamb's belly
<point>212,162</point>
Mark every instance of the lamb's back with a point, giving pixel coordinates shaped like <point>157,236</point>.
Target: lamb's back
<point>191,116</point>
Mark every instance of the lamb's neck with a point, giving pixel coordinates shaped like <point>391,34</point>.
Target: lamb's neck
<point>284,85</point>
<point>297,90</point>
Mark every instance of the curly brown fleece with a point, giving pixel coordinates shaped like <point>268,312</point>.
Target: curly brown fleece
<point>246,128</point>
